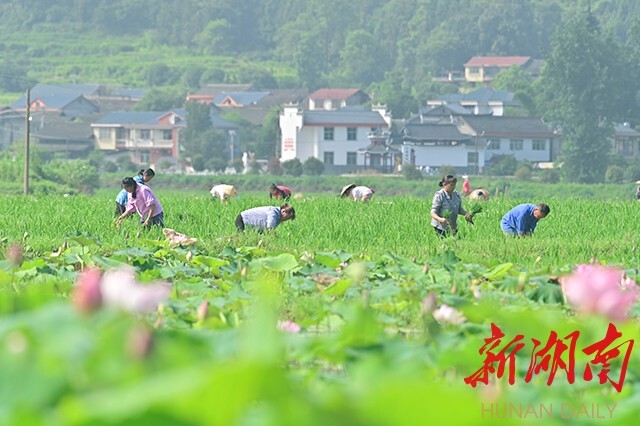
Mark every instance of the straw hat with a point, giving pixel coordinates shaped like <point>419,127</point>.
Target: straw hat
<point>638,182</point>
<point>346,189</point>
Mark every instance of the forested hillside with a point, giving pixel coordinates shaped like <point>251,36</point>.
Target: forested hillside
<point>392,47</point>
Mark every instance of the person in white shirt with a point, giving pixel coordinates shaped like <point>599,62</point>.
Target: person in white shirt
<point>362,193</point>
<point>224,192</point>
<point>267,217</point>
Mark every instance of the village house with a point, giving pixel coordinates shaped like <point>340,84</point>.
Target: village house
<point>148,137</point>
<point>483,69</point>
<point>335,99</point>
<point>469,142</point>
<point>151,137</point>
<point>482,101</point>
<point>246,101</point>
<point>338,138</point>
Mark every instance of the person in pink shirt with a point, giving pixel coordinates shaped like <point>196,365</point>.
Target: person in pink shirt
<point>142,200</point>
<point>466,186</point>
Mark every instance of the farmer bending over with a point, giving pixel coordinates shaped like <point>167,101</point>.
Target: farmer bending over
<point>262,218</point>
<point>521,220</point>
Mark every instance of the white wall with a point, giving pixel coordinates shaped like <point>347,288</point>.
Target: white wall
<point>290,125</point>
<point>527,153</point>
<point>436,156</point>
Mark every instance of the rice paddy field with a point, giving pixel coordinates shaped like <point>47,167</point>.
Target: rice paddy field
<point>351,314</point>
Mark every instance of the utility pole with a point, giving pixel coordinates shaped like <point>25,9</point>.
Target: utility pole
<point>26,143</point>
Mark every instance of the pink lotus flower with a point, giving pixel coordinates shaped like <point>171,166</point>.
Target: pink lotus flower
<point>289,327</point>
<point>86,294</point>
<point>177,239</point>
<point>445,314</point>
<point>119,289</point>
<point>596,289</point>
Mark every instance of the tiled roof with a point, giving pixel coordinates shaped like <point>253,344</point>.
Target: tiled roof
<point>131,117</point>
<point>622,130</point>
<point>483,94</point>
<point>433,132</point>
<point>212,90</point>
<point>531,127</point>
<point>447,109</point>
<point>497,61</point>
<point>333,93</point>
<point>54,101</point>
<point>240,98</point>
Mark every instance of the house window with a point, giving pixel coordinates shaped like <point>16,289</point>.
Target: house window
<point>122,133</point>
<point>474,70</point>
<point>328,133</point>
<point>167,135</point>
<point>515,144</point>
<point>472,158</point>
<point>145,157</point>
<point>538,145</point>
<point>352,159</point>
<point>104,133</point>
<point>493,144</point>
<point>328,158</point>
<point>145,134</point>
<point>352,133</point>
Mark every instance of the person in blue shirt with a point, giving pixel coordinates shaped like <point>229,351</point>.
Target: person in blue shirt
<point>521,220</point>
<point>143,178</point>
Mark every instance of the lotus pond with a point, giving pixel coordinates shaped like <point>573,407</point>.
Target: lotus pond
<point>350,314</point>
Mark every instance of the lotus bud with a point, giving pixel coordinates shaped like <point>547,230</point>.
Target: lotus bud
<point>140,342</point>
<point>429,304</point>
<point>87,296</point>
<point>14,255</point>
<point>425,268</point>
<point>203,311</point>
<point>189,256</point>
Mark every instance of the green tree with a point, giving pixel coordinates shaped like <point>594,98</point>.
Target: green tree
<point>362,59</point>
<point>308,62</point>
<point>292,167</point>
<point>516,80</point>
<point>269,135</point>
<point>312,167</point>
<point>584,92</point>
<point>161,99</point>
<point>214,38</point>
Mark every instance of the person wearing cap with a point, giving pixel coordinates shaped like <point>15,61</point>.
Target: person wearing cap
<point>363,193</point>
<point>479,195</point>
<point>267,217</point>
<point>446,206</point>
<point>224,192</point>
<point>279,191</point>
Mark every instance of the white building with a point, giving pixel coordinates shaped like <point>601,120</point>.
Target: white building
<point>469,142</point>
<point>483,101</point>
<point>333,137</point>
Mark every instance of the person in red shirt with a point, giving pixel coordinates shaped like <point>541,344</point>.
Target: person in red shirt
<point>279,191</point>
